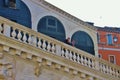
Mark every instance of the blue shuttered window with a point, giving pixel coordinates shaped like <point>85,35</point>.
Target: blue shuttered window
<point>51,24</point>
<point>83,41</point>
<point>52,27</point>
<point>109,39</point>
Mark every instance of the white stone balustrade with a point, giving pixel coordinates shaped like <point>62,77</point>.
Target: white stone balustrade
<point>109,68</point>
<point>38,40</point>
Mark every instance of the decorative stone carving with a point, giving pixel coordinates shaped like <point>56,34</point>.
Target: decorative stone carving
<point>7,69</point>
<point>37,70</point>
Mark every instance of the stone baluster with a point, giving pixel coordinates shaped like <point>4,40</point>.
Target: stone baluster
<point>78,58</point>
<point>104,69</point>
<point>117,73</point>
<point>85,61</point>
<point>34,41</point>
<point>58,50</point>
<point>82,60</point>
<point>101,67</point>
<point>6,30</point>
<point>24,37</point>
<point>89,63</point>
<point>39,43</point>
<point>95,65</point>
<point>113,72</point>
<point>44,45</point>
<point>74,57</point>
<point>63,53</point>
<point>13,33</point>
<point>53,48</point>
<point>110,70</point>
<point>19,36</point>
<point>30,39</point>
<point>48,47</point>
<point>71,55</point>
<point>1,28</point>
<point>66,54</point>
<point>107,70</point>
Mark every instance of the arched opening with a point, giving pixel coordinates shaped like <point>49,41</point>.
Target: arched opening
<point>83,41</point>
<point>19,14</point>
<point>52,27</point>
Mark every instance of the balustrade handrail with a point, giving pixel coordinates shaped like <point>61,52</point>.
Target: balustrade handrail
<point>107,63</point>
<point>49,44</point>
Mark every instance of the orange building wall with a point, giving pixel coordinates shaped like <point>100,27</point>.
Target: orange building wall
<point>103,45</point>
<point>105,55</point>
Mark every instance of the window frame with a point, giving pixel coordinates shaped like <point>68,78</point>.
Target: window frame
<point>50,26</point>
<point>114,59</point>
<point>109,40</point>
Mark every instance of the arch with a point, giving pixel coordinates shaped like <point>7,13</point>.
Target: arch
<point>83,41</point>
<point>20,14</point>
<point>25,15</point>
<point>52,27</point>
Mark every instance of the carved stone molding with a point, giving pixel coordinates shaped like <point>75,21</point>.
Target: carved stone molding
<point>7,68</point>
<point>37,70</point>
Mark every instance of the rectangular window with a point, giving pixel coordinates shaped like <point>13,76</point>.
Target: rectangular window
<point>112,59</point>
<point>51,24</point>
<point>10,3</point>
<point>109,39</point>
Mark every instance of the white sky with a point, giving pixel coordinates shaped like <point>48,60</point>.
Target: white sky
<point>101,12</point>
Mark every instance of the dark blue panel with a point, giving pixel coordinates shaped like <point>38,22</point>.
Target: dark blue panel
<point>109,39</point>
<point>83,41</point>
<point>20,14</point>
<point>52,27</point>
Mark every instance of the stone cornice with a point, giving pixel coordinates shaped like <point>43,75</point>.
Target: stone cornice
<point>60,11</point>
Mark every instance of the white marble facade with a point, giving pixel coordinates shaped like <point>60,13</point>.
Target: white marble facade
<point>40,8</point>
